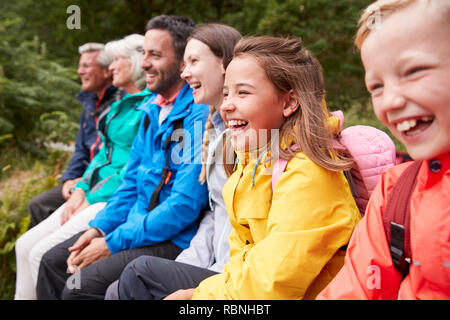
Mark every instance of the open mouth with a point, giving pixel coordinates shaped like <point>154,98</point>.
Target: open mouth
<point>414,126</point>
<point>195,86</point>
<point>150,76</point>
<point>237,124</point>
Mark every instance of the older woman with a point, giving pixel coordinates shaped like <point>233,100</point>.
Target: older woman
<point>117,128</point>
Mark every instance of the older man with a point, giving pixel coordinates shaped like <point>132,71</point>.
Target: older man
<point>96,95</point>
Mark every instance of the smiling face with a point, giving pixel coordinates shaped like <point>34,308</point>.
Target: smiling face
<point>93,77</point>
<point>408,75</point>
<point>160,65</point>
<point>121,70</point>
<point>204,73</point>
<point>252,105</point>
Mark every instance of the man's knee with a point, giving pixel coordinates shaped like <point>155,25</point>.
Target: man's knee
<point>78,286</point>
<point>54,257</point>
<point>84,285</point>
<point>44,204</point>
<point>71,291</point>
<point>35,209</point>
<point>33,203</point>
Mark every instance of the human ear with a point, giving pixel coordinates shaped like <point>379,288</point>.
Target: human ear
<point>222,68</point>
<point>107,73</point>
<point>182,65</point>
<point>291,104</point>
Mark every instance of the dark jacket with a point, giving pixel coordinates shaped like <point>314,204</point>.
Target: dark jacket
<point>88,143</point>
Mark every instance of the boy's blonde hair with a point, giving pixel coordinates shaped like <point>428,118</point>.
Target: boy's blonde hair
<point>374,13</point>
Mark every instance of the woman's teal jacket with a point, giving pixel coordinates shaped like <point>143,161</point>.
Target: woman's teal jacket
<point>117,132</point>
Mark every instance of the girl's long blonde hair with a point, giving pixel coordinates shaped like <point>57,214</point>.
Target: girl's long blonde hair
<point>290,66</point>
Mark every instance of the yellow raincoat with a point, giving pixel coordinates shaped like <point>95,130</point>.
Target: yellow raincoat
<point>284,244</point>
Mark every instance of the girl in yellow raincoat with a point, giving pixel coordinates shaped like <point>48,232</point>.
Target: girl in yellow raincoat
<point>286,240</point>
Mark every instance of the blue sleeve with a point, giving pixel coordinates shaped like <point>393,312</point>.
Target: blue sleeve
<point>80,158</point>
<point>180,209</point>
<point>124,198</point>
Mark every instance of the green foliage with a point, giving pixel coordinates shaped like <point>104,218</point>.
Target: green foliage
<point>14,217</point>
<point>56,127</point>
<point>30,85</point>
<point>14,221</point>
<point>326,26</point>
<point>327,29</point>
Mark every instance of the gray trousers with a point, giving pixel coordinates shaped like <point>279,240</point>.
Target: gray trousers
<point>153,278</point>
<point>91,282</point>
<point>44,204</point>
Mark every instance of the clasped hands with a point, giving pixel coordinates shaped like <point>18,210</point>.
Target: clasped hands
<point>89,248</point>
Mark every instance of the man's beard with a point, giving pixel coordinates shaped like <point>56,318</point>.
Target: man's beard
<point>168,78</point>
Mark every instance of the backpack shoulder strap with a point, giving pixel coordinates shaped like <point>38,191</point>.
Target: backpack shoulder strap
<point>278,169</point>
<point>146,122</point>
<point>166,173</point>
<point>396,218</point>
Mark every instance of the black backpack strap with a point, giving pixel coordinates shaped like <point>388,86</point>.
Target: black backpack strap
<point>396,218</point>
<point>166,173</point>
<point>146,122</point>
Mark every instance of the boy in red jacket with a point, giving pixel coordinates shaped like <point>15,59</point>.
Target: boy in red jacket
<point>405,50</point>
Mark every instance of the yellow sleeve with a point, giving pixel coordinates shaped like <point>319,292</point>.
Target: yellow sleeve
<point>312,215</point>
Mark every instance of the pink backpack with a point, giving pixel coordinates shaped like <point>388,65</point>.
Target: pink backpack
<point>373,152</point>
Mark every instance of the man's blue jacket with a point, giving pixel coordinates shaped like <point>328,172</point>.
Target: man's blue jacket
<point>125,219</point>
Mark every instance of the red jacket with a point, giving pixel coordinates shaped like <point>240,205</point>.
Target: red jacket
<point>368,272</point>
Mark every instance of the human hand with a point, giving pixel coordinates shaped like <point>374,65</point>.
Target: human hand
<point>72,205</point>
<point>181,295</point>
<point>83,206</point>
<point>83,241</point>
<point>68,186</point>
<point>93,252</point>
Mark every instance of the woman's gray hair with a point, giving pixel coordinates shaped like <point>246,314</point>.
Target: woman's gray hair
<point>131,48</point>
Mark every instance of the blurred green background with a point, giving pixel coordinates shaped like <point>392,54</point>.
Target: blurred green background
<point>38,80</point>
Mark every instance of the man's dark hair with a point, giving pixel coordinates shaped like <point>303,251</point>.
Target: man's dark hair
<point>180,29</point>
